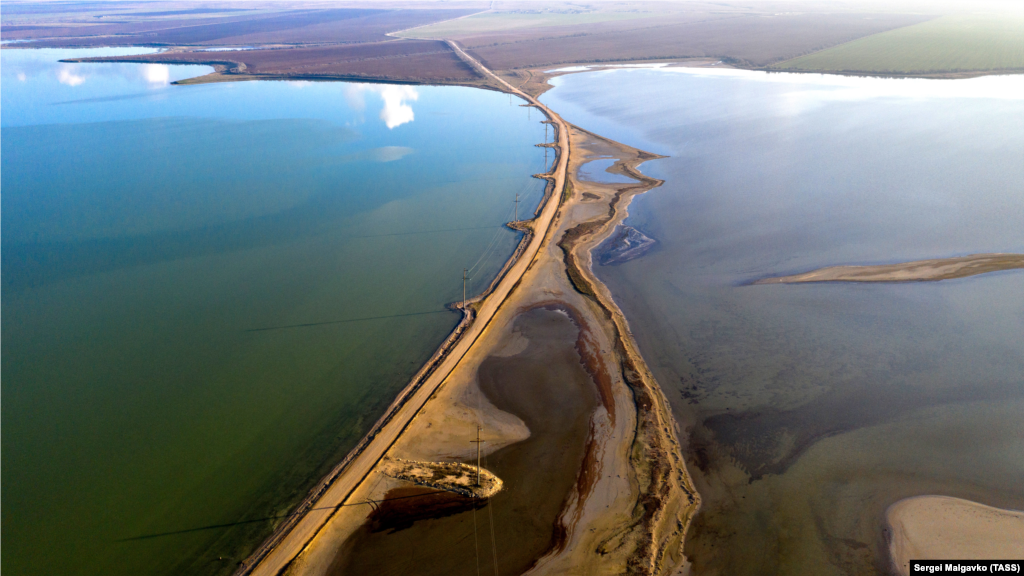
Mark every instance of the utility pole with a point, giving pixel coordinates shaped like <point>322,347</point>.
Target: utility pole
<point>464,278</point>
<point>517,207</point>
<point>478,441</point>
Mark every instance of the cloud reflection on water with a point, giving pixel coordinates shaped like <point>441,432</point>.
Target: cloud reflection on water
<point>67,76</point>
<point>72,74</point>
<point>156,74</point>
<point>396,110</point>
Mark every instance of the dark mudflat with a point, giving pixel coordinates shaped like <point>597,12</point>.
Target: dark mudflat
<point>545,385</point>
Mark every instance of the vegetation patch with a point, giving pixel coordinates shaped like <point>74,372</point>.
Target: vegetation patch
<point>956,43</point>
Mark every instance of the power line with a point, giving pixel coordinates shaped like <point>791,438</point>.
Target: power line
<point>345,321</point>
<point>240,522</point>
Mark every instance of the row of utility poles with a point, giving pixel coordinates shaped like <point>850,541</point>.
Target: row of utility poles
<point>465,279</point>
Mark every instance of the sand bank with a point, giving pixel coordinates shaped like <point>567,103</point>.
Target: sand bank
<point>944,528</point>
<point>916,271</point>
<point>547,387</point>
<point>456,477</point>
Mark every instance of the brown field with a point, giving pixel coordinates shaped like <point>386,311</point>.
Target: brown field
<point>290,26</point>
<point>754,40</point>
<point>404,60</point>
<point>352,41</point>
<point>504,35</point>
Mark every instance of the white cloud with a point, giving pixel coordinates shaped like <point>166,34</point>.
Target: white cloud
<point>67,76</point>
<point>156,74</point>
<point>396,110</point>
<point>22,77</point>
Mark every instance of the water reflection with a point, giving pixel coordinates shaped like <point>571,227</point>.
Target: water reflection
<point>43,65</point>
<point>396,109</point>
<point>810,409</point>
<point>1009,87</point>
<point>66,76</point>
<point>144,231</point>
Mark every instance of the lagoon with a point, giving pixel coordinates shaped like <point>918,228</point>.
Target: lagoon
<point>210,292</point>
<point>809,409</point>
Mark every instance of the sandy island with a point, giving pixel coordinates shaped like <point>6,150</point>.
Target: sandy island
<point>632,500</point>
<point>942,528</point>
<point>916,271</point>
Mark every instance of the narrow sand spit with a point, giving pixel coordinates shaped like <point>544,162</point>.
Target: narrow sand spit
<point>633,499</point>
<point>944,528</point>
<point>916,271</point>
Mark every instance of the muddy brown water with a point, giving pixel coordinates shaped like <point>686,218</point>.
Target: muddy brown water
<point>547,387</point>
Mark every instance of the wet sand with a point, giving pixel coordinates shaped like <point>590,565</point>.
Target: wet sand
<point>916,271</point>
<point>547,387</point>
<point>941,527</point>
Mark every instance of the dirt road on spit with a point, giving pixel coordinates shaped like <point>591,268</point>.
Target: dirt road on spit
<point>284,545</point>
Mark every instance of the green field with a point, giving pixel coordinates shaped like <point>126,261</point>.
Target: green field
<point>501,21</point>
<point>956,43</point>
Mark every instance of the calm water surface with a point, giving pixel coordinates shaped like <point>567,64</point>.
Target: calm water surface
<point>210,292</point>
<point>811,408</point>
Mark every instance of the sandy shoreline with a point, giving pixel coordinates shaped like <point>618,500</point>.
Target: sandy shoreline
<point>942,527</point>
<point>916,271</point>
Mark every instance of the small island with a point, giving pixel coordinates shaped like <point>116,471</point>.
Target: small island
<point>916,271</point>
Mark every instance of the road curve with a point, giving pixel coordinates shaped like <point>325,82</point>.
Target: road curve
<point>277,552</point>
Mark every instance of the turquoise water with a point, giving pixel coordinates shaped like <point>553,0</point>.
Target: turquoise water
<point>809,409</point>
<point>210,292</point>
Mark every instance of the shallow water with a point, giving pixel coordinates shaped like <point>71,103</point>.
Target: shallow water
<point>210,292</point>
<point>547,387</point>
<point>811,408</point>
<point>597,171</point>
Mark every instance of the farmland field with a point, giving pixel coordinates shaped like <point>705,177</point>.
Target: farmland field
<point>754,40</point>
<point>496,22</point>
<point>953,43</point>
<point>401,60</point>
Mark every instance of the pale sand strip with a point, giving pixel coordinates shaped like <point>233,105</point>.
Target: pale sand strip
<point>945,528</point>
<point>916,271</point>
<point>275,554</point>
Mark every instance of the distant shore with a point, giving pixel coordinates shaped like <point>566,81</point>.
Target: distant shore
<point>915,271</point>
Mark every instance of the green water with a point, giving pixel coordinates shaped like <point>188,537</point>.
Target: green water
<point>211,292</point>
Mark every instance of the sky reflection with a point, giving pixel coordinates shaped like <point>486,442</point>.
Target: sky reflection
<point>35,80</point>
<point>396,109</point>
